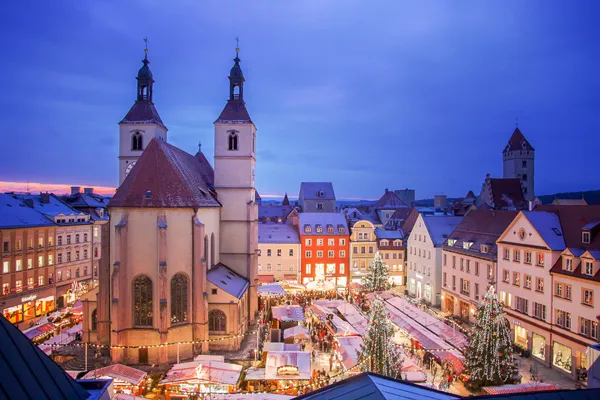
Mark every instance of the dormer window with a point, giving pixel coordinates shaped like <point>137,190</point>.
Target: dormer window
<point>589,268</point>
<point>307,229</point>
<point>319,229</point>
<point>397,243</point>
<point>341,229</point>
<point>233,140</point>
<point>451,242</point>
<point>321,193</point>
<point>586,237</point>
<point>568,264</point>
<point>329,228</point>
<point>384,243</point>
<point>484,248</point>
<point>467,245</point>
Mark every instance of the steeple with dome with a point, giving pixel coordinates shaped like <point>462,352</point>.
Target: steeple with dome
<point>235,110</point>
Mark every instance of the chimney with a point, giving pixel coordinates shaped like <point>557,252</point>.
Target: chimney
<point>75,190</point>
<point>28,202</point>
<point>530,205</point>
<point>45,198</point>
<point>386,190</point>
<point>88,190</point>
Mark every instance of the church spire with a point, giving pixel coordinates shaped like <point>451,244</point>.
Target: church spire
<point>144,78</point>
<point>236,77</point>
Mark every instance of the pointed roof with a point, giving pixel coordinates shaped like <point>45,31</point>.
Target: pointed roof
<point>228,280</point>
<point>27,373</point>
<point>234,113</point>
<point>507,193</point>
<point>286,201</point>
<point>518,142</point>
<point>389,200</point>
<point>166,176</point>
<point>207,170</point>
<point>143,112</point>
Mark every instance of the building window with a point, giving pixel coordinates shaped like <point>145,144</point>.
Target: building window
<point>527,257</point>
<point>539,311</point>
<point>516,279</point>
<point>342,268</point>
<point>217,321</point>
<point>568,291</point>
<point>454,262</point>
<point>19,286</point>
<point>355,250</point>
<point>527,281</point>
<point>539,285</point>
<point>331,254</point>
<point>588,297</point>
<point>77,238</point>
<point>278,252</point>
<point>268,252</point>
<point>540,259</point>
<point>319,242</point>
<point>342,242</point>
<point>278,266</point>
<point>85,237</point>
<point>329,228</point>
<point>319,206</point>
<point>506,276</point>
<point>563,319</point>
<point>59,241</point>
<point>445,278</point>
<point>260,267</point>
<point>370,249</point>
<point>331,242</point>
<point>476,268</point>
<point>59,258</point>
<point>522,305</point>
<point>468,265</point>
<point>524,164</point>
<point>268,267</point>
<point>41,280</point>
<point>85,254</point>
<point>568,264</point>
<point>308,254</point>
<point>589,328</point>
<point>320,254</point>
<point>77,254</point>
<point>142,301</point>
<point>179,299</point>
<point>137,142</point>
<point>342,253</point>
<point>77,273</point>
<point>233,140</point>
<point>291,252</point>
<point>308,242</point>
<point>68,239</point>
<point>589,268</point>
<point>363,250</point>
<point>94,319</point>
<point>308,268</point>
<point>445,259</point>
<point>307,229</point>
<point>319,229</point>
<point>517,255</point>
<point>506,254</point>
<point>585,237</point>
<point>291,267</point>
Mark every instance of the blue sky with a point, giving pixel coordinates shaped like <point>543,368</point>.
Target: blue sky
<point>369,95</point>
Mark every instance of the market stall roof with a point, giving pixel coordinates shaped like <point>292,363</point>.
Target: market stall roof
<point>454,358</point>
<point>288,365</point>
<point>124,396</point>
<point>297,332</point>
<point>354,317</point>
<point>320,285</point>
<point>349,346</point>
<point>27,373</point>
<point>333,304</point>
<point>121,372</point>
<point>521,388</point>
<point>274,289</point>
<point>342,327</point>
<point>36,331</point>
<point>203,372</point>
<point>249,396</point>
<point>320,312</point>
<point>279,346</point>
<point>288,313</point>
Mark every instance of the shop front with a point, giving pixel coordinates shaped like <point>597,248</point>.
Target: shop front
<point>27,307</point>
<point>521,339</point>
<point>464,311</point>
<point>562,356</point>
<point>448,304</point>
<point>538,346</point>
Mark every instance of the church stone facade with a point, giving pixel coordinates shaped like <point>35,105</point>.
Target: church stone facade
<point>184,236</point>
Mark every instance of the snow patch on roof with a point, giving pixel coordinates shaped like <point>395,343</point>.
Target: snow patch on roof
<point>548,226</point>
<point>226,279</point>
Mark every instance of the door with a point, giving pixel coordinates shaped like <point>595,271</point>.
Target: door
<point>143,356</point>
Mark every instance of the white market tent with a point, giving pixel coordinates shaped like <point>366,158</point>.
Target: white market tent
<point>274,289</point>
<point>288,313</point>
<point>277,361</point>
<point>297,332</point>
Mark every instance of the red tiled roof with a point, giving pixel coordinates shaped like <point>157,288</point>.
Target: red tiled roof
<point>389,200</point>
<point>507,192</point>
<point>234,112</point>
<point>207,170</point>
<point>143,112</point>
<point>165,176</point>
<point>403,219</point>
<point>518,142</point>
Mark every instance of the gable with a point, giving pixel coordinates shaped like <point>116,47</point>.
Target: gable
<point>532,236</point>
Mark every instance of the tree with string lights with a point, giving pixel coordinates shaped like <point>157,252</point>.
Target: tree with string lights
<point>377,279</point>
<point>377,352</point>
<point>489,359</point>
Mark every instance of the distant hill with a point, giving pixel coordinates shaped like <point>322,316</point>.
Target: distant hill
<point>590,196</point>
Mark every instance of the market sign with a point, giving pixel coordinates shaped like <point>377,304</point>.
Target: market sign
<point>287,370</point>
<point>29,298</point>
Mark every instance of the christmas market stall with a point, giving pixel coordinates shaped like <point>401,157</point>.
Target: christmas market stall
<point>294,334</point>
<point>347,351</point>
<point>127,380</point>
<point>412,372</point>
<point>287,316</point>
<point>203,376</point>
<point>284,372</point>
<point>37,334</point>
<point>354,317</point>
<point>271,290</point>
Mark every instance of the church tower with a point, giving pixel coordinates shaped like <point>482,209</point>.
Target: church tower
<point>141,123</point>
<point>518,162</point>
<point>235,161</point>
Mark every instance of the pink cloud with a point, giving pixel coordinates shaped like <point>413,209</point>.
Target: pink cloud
<point>57,188</point>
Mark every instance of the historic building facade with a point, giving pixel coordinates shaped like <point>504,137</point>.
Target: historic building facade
<point>317,197</point>
<point>363,246</point>
<point>518,162</point>
<point>325,243</point>
<point>199,282</point>
<point>278,252</point>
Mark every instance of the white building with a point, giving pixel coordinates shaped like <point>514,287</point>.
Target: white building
<point>278,253</point>
<point>425,256</point>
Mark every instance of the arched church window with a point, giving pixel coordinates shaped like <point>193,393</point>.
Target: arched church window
<point>94,319</point>
<point>212,249</point>
<point>137,141</point>
<point>142,301</point>
<point>233,140</point>
<point>206,251</point>
<point>179,299</point>
<point>217,321</point>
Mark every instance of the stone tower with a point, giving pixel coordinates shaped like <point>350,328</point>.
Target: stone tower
<point>141,123</point>
<point>235,162</point>
<point>518,162</point>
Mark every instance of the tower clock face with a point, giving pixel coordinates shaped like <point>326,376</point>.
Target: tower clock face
<point>129,168</point>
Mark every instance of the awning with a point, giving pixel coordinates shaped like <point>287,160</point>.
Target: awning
<point>455,361</point>
<point>290,276</point>
<point>266,278</point>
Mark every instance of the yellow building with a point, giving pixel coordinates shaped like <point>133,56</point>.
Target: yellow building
<point>363,246</point>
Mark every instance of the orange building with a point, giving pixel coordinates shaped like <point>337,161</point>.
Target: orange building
<point>325,250</point>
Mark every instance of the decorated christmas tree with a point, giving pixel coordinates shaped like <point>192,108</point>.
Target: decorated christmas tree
<point>489,359</point>
<point>377,352</point>
<point>377,279</point>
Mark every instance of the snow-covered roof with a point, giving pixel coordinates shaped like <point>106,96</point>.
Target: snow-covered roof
<point>224,278</point>
<point>270,232</point>
<point>15,214</point>
<point>388,234</point>
<point>311,190</point>
<point>278,346</point>
<point>206,371</point>
<point>288,313</point>
<point>547,225</point>
<point>121,372</point>
<point>440,227</point>
<point>53,208</point>
<point>275,289</point>
<point>336,220</point>
<point>277,359</point>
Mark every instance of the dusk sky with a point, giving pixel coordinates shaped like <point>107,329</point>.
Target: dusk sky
<point>366,94</point>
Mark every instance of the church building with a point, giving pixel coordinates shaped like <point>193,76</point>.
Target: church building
<point>184,235</point>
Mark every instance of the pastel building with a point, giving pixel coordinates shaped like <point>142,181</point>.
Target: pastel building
<point>391,246</point>
<point>548,280</point>
<point>425,243</point>
<point>469,261</point>
<point>363,246</point>
<point>325,243</point>
<point>317,197</point>
<point>278,253</point>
